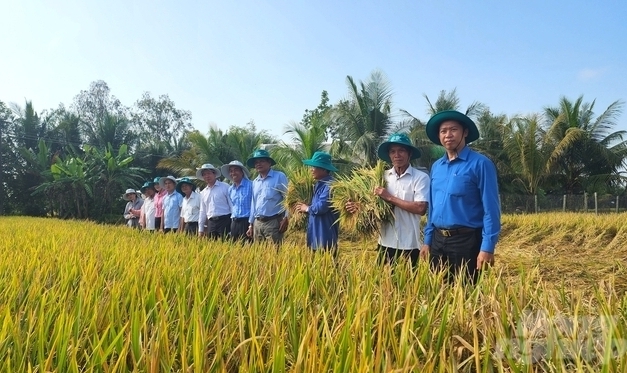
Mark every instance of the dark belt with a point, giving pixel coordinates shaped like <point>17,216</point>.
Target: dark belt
<point>239,219</point>
<point>268,218</point>
<point>220,217</point>
<point>455,231</point>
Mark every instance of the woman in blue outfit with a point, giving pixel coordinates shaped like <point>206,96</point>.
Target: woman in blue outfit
<point>322,227</point>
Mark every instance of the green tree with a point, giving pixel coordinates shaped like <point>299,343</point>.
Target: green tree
<point>305,141</point>
<point>363,120</point>
<point>586,152</point>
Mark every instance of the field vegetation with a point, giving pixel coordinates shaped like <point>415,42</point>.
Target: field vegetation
<point>81,297</point>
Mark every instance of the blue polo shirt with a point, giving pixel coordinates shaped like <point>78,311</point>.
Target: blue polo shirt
<point>464,193</point>
<point>268,194</point>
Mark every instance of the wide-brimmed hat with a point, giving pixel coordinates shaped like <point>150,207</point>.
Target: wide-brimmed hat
<point>184,180</point>
<point>225,169</point>
<point>320,160</point>
<point>258,154</point>
<point>397,139</point>
<point>207,166</point>
<point>433,125</point>
<point>163,179</point>
<point>147,185</point>
<point>129,191</point>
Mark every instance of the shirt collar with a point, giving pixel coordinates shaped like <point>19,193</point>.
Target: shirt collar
<point>409,171</point>
<point>463,155</point>
<point>270,174</point>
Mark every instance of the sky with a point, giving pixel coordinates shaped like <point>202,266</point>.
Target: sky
<point>230,62</point>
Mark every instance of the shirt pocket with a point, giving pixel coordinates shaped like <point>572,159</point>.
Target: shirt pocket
<point>406,195</point>
<point>460,186</point>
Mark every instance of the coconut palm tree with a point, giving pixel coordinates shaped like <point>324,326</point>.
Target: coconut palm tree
<point>305,141</point>
<point>363,119</point>
<point>585,151</point>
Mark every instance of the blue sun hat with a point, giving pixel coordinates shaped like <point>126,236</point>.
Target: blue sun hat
<point>184,180</point>
<point>320,160</point>
<point>156,180</point>
<point>397,139</point>
<point>433,125</point>
<point>258,154</point>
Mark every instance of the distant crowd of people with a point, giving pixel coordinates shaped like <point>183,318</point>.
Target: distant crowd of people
<point>460,198</point>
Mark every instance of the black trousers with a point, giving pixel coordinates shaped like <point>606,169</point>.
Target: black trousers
<point>168,230</point>
<point>157,224</point>
<point>389,255</point>
<point>191,228</point>
<point>238,229</point>
<point>219,227</point>
<point>456,253</point>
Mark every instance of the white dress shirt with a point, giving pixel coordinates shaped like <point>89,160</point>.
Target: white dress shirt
<point>214,202</point>
<point>404,232</point>
<point>191,208</point>
<point>148,212</point>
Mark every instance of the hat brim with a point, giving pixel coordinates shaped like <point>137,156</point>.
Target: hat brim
<point>215,171</point>
<point>124,196</point>
<point>180,185</point>
<point>163,179</point>
<point>384,150</point>
<point>251,161</point>
<point>144,188</point>
<point>225,170</point>
<point>433,125</point>
<point>326,166</point>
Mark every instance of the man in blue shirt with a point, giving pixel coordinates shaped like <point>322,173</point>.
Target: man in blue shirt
<point>322,227</point>
<point>464,218</point>
<point>172,203</point>
<point>240,194</point>
<point>268,219</point>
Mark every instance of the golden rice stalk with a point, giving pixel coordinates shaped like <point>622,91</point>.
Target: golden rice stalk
<point>299,189</point>
<point>358,187</point>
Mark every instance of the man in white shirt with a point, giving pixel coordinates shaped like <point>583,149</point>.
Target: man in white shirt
<point>408,190</point>
<point>190,208</point>
<point>148,210</point>
<point>215,205</point>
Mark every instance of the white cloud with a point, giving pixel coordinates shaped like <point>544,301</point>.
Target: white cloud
<point>589,74</point>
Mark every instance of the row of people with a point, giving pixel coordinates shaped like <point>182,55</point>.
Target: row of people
<point>461,198</point>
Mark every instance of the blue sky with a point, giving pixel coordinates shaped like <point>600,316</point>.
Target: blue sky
<point>232,61</point>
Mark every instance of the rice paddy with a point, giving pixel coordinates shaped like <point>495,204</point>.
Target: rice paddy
<point>81,297</point>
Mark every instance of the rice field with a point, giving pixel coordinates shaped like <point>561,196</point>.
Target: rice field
<point>81,297</point>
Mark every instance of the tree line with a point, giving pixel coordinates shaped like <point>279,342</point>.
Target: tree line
<point>75,161</point>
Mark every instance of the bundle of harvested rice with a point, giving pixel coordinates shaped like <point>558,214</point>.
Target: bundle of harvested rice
<point>358,187</point>
<point>299,189</point>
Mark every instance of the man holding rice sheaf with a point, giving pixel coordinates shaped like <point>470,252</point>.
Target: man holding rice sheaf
<point>407,189</point>
<point>322,227</point>
<point>464,216</point>
<point>268,218</point>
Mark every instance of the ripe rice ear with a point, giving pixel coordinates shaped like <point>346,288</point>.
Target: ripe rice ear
<point>358,187</point>
<point>300,189</point>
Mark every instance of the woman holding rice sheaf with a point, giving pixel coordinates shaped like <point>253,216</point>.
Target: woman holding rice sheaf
<point>322,227</point>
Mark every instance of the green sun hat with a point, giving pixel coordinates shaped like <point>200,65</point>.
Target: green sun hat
<point>148,185</point>
<point>397,139</point>
<point>184,180</point>
<point>320,160</point>
<point>433,125</point>
<point>156,180</point>
<point>258,154</point>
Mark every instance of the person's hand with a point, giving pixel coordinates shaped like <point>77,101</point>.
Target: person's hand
<point>301,207</point>
<point>201,234</point>
<point>352,207</point>
<point>484,259</point>
<point>383,193</point>
<point>283,224</point>
<point>424,252</point>
<point>249,232</point>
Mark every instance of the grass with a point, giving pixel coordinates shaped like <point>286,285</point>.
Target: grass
<point>81,297</point>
